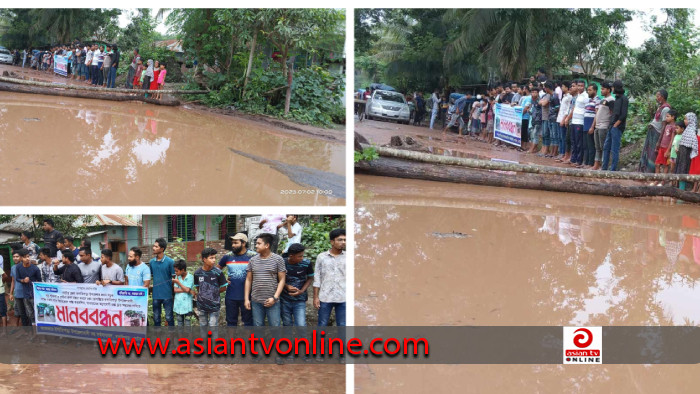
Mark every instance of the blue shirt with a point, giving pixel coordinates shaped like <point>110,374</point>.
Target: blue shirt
<point>18,288</point>
<point>138,274</point>
<point>234,267</point>
<point>34,275</point>
<point>297,275</point>
<point>162,272</point>
<point>527,100</point>
<point>183,301</point>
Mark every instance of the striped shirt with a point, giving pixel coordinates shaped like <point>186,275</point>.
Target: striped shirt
<point>265,277</point>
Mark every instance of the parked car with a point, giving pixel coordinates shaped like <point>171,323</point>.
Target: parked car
<point>384,104</point>
<point>5,56</point>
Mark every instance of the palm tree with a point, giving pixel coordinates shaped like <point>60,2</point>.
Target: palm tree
<point>505,38</point>
<point>60,23</point>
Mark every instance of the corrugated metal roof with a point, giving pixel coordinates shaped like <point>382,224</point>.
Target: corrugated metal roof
<point>113,220</point>
<point>18,224</point>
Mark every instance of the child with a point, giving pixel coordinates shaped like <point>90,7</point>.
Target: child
<point>183,284</point>
<point>137,76</point>
<point>665,142</point>
<point>673,152</point>
<point>161,80</point>
<point>209,282</point>
<point>154,81</point>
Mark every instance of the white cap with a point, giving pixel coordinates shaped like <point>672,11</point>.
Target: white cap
<point>478,97</point>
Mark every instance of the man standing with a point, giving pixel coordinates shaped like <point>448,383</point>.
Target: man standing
<point>137,273</point>
<point>234,265</point>
<point>602,122</point>
<point>654,129</point>
<point>619,121</point>
<point>293,231</point>
<point>576,120</point>
<point>589,126</point>
<point>31,247</point>
<point>271,224</point>
<point>132,70</point>
<point>113,70</point>
<point>264,282</point>
<point>68,242</point>
<point>16,291</point>
<point>106,67</point>
<point>89,268</point>
<point>300,275</point>
<point>88,64</point>
<point>329,281</point>
<point>51,235</point>
<point>516,94</point>
<point>27,275</point>
<point>46,267</point>
<point>69,272</point>
<point>434,109</point>
<point>563,121</point>
<point>110,273</point>
<point>162,271</point>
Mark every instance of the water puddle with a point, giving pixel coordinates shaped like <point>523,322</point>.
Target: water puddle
<point>66,151</point>
<point>530,258</point>
<point>44,378</point>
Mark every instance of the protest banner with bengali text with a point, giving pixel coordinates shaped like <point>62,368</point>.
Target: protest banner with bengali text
<point>507,122</point>
<point>60,65</point>
<point>87,310</point>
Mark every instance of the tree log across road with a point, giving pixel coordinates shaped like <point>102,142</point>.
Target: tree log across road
<point>96,89</point>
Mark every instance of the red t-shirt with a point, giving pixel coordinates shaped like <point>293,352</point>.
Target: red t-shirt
<point>667,136</point>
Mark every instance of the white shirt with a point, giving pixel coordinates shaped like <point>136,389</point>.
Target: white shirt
<point>88,57</point>
<point>579,109</point>
<point>296,230</point>
<point>565,107</point>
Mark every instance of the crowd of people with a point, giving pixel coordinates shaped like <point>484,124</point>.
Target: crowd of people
<point>572,122</point>
<point>96,65</point>
<point>260,285</point>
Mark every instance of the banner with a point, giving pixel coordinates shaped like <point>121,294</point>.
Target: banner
<point>60,65</point>
<point>58,306</point>
<point>507,122</point>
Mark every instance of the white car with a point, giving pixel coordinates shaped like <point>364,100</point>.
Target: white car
<point>385,104</point>
<point>5,56</point>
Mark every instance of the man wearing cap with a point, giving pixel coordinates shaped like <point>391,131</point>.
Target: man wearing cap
<point>234,264</point>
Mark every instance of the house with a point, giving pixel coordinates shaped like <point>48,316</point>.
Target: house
<point>115,232</point>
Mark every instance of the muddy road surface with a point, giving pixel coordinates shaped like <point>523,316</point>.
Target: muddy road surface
<point>67,151</point>
<point>522,258</point>
<point>202,379</point>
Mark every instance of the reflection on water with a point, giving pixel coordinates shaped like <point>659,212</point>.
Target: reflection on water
<point>172,378</point>
<point>130,153</point>
<point>531,258</point>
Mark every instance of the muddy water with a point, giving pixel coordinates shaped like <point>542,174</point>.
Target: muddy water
<point>202,379</point>
<point>525,258</point>
<point>65,151</point>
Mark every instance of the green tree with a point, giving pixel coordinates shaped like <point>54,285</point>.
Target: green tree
<point>140,31</point>
<point>295,28</point>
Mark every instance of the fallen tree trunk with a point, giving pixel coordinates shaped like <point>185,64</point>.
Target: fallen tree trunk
<point>9,87</point>
<point>529,168</point>
<point>416,170</point>
<point>96,89</point>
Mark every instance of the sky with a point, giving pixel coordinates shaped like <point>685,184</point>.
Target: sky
<point>638,28</point>
<point>124,19</point>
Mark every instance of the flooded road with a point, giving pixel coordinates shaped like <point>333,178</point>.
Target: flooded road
<point>66,151</point>
<point>431,253</point>
<point>201,379</point>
